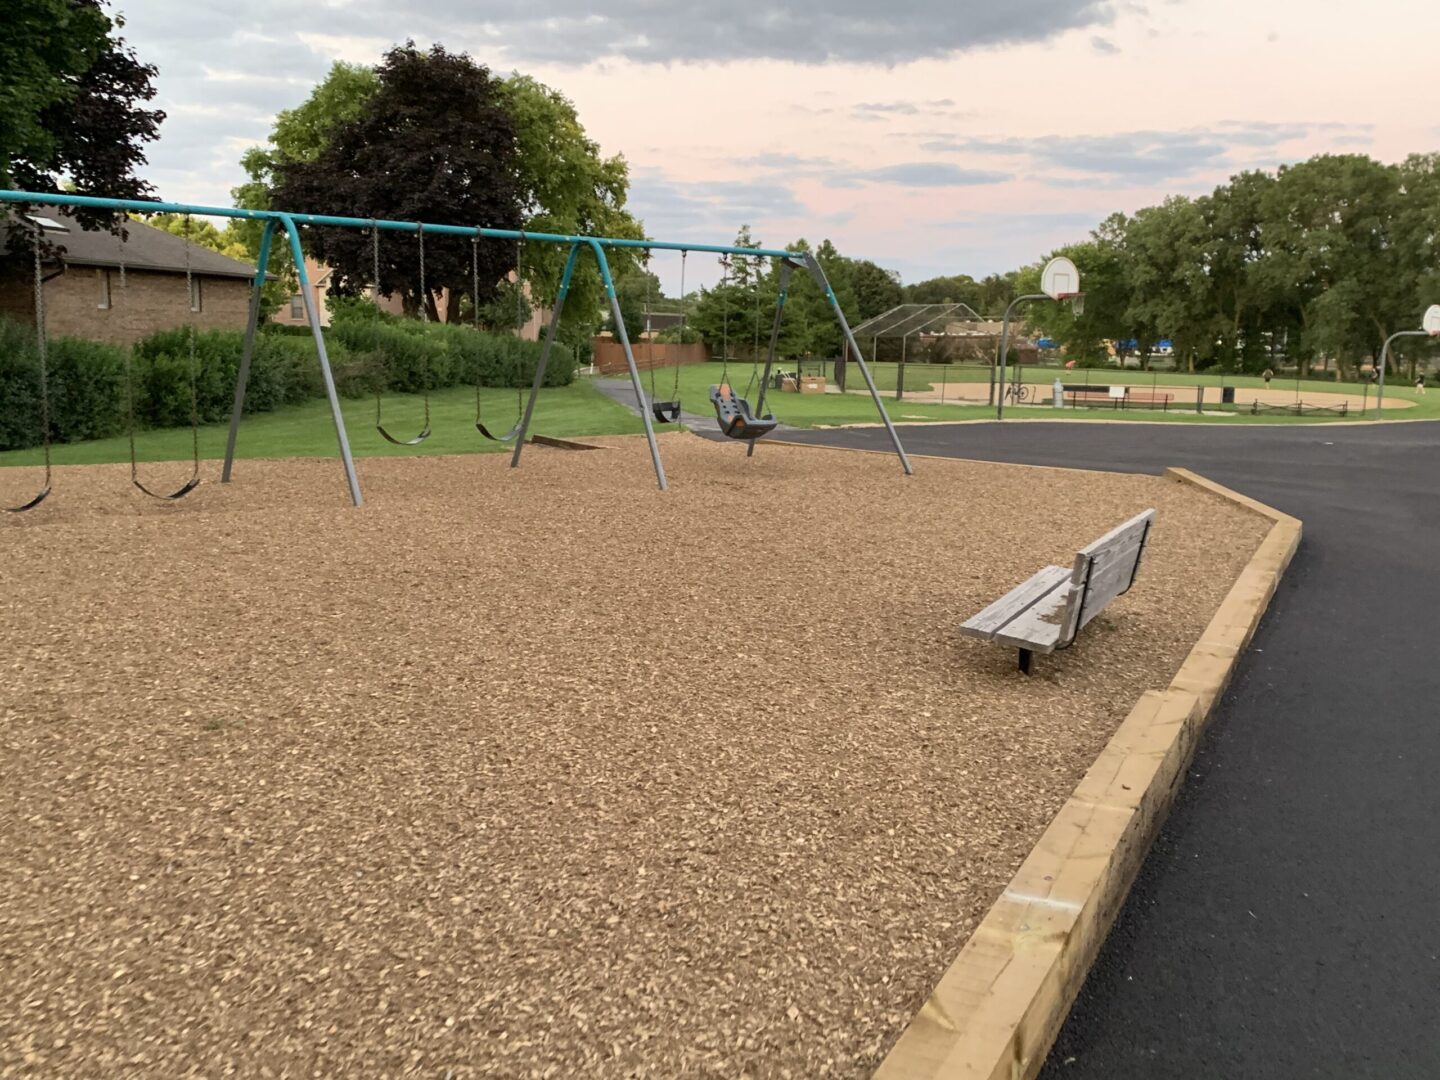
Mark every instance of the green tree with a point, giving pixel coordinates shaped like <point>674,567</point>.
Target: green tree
<point>876,290</point>
<point>567,187</point>
<point>204,233</point>
<point>725,314</point>
<point>298,135</point>
<point>436,143</point>
<point>1107,297</point>
<point>70,103</point>
<point>956,289</point>
<point>1330,225</point>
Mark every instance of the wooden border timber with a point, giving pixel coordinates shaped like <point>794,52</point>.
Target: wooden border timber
<point>996,1012</point>
<point>563,444</point>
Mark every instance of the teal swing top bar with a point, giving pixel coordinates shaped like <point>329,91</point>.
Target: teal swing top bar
<point>152,207</point>
<point>276,220</point>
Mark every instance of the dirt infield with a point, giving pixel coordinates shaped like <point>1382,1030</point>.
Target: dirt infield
<point>540,773</point>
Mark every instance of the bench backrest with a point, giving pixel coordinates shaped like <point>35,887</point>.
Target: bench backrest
<point>1103,571</point>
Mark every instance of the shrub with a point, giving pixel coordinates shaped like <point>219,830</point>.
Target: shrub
<point>19,387</point>
<point>86,382</point>
<point>88,392</point>
<point>87,389</point>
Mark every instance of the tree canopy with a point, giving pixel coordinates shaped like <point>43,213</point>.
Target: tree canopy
<point>1319,260</point>
<point>558,180</point>
<point>435,142</point>
<point>71,102</point>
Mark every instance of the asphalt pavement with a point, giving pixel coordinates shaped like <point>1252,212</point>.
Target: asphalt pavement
<point>1287,920</point>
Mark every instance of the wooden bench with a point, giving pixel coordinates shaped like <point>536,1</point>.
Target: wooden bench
<point>1095,396</point>
<point>1148,398</point>
<point>1047,612</point>
<point>1091,397</point>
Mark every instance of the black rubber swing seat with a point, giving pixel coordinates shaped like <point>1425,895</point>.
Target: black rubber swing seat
<point>666,412</point>
<point>736,419</point>
<point>508,436</point>
<point>36,501</point>
<point>416,441</point>
<point>190,485</point>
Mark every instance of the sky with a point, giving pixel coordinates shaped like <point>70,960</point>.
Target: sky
<point>932,136</point>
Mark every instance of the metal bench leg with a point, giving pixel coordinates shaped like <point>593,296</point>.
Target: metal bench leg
<point>1025,657</point>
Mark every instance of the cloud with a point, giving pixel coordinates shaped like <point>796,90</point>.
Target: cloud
<point>787,162</point>
<point>840,174</point>
<point>1104,45</point>
<point>1140,157</point>
<point>924,174</point>
<point>577,31</point>
<point>805,32</point>
<point>705,209</point>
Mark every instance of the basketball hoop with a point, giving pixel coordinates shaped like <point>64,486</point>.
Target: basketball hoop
<point>1060,280</point>
<point>1431,324</point>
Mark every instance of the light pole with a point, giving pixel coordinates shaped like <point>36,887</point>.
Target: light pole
<point>1058,281</point>
<point>1430,327</point>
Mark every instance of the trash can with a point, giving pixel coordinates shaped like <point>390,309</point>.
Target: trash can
<point>1057,395</point>
<point>1227,395</point>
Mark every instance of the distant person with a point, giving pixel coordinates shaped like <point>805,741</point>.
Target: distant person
<point>1420,384</point>
<point>1267,375</point>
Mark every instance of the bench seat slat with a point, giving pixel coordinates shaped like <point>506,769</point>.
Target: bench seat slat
<point>1039,629</point>
<point>1016,602</point>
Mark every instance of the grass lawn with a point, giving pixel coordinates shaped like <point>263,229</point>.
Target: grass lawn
<point>810,410</point>
<point>576,410</point>
<point>306,430</point>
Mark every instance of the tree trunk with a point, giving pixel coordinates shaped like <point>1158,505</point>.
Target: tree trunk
<point>452,307</point>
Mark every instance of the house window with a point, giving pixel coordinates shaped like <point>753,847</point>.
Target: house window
<point>297,307</point>
<point>102,278</point>
<point>195,296</point>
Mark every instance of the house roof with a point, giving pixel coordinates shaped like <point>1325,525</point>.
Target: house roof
<point>145,248</point>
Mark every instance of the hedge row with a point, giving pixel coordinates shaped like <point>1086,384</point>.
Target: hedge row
<point>88,387</point>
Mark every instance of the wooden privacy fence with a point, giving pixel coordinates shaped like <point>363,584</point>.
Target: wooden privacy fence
<point>610,355</point>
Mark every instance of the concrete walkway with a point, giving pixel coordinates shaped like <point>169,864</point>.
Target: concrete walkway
<point>1285,923</point>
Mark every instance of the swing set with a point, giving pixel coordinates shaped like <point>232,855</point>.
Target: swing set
<point>733,411</point>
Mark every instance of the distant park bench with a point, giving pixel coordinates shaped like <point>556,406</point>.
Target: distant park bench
<point>1047,612</point>
<point>1094,396</point>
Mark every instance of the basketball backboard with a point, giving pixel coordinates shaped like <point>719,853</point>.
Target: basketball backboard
<point>1431,325</point>
<point>1060,280</point>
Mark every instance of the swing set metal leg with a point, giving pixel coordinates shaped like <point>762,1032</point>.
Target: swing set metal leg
<point>247,353</point>
<point>812,264</point>
<point>550,333</point>
<point>313,315</point>
<point>630,361</point>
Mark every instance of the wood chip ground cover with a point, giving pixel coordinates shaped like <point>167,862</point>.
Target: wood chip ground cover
<point>540,773</point>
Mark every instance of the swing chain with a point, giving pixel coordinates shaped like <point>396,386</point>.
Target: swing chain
<point>191,298</point>
<point>42,351</point>
<point>475,285</point>
<point>724,319</point>
<point>519,283</point>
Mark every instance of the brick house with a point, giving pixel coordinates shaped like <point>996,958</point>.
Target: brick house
<point>83,293</point>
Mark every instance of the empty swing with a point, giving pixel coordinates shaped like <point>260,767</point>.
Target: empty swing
<point>381,384</point>
<point>665,412</point>
<point>737,420</point>
<point>508,436</point>
<point>192,299</point>
<point>44,492</point>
